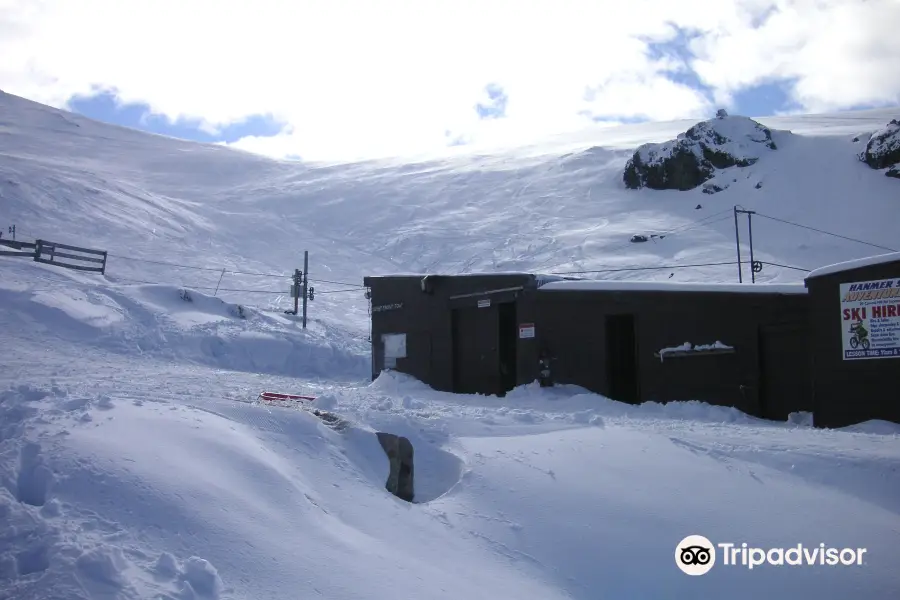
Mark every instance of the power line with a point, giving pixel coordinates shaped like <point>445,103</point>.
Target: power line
<point>195,287</point>
<point>274,275</point>
<point>356,285</point>
<point>661,267</point>
<point>664,267</point>
<point>837,235</point>
<point>697,223</point>
<point>784,266</point>
<point>336,291</point>
<point>214,269</point>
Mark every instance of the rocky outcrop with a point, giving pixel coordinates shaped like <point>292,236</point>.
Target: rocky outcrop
<point>882,151</point>
<point>694,156</point>
<point>399,451</point>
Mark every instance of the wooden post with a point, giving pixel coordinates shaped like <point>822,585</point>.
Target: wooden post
<point>305,284</point>
<point>103,265</point>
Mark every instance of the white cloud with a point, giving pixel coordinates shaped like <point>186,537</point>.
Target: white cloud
<point>839,53</point>
<point>358,78</point>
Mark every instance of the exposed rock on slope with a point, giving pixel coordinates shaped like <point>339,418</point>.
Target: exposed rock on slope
<point>693,157</point>
<point>883,149</point>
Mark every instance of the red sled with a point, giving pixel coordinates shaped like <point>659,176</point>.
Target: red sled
<point>275,398</point>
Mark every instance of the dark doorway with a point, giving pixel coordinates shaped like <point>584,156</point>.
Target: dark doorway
<point>621,358</point>
<point>476,358</point>
<point>508,340</point>
<point>786,384</point>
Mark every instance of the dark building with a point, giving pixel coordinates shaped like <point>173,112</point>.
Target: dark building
<point>455,333</point>
<point>486,333</point>
<point>734,345</point>
<point>855,337</point>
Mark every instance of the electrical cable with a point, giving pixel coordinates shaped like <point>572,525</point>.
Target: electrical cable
<point>837,235</point>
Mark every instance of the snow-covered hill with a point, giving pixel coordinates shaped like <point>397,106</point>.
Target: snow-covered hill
<point>133,466</point>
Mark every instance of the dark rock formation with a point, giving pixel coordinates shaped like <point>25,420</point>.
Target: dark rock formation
<point>713,188</point>
<point>693,157</point>
<point>330,419</point>
<point>399,451</point>
<point>882,151</point>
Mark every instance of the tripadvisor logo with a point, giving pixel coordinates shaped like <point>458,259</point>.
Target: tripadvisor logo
<point>696,555</point>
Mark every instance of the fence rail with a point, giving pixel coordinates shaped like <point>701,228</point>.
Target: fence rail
<point>48,253</point>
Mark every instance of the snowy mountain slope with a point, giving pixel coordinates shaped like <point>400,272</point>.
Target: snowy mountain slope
<point>531,209</point>
<point>131,465</point>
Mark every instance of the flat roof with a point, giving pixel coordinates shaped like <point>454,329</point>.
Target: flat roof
<point>485,274</point>
<point>537,276</point>
<point>669,286</point>
<point>878,259</point>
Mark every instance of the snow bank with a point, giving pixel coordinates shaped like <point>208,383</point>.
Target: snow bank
<point>688,348</point>
<point>181,324</point>
<point>858,263</point>
<point>670,286</point>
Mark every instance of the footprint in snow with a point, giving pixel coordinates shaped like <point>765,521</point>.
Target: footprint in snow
<point>34,478</point>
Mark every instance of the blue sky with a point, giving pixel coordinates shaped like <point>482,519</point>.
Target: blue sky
<point>103,107</point>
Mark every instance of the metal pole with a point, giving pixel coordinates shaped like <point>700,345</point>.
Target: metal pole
<point>216,293</point>
<point>305,283</point>
<point>737,238</point>
<point>297,277</point>
<point>750,227</point>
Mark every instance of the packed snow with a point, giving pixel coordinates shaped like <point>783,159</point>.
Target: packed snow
<point>688,348</point>
<point>134,463</point>
<point>859,263</point>
<point>665,286</point>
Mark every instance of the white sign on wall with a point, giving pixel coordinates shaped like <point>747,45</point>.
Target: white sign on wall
<point>394,345</point>
<point>526,330</point>
<point>870,319</point>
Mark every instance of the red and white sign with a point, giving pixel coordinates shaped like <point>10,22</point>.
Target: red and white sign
<point>526,330</point>
<point>283,399</point>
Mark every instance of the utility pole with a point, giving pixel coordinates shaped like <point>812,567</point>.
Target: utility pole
<point>752,262</point>
<point>754,266</point>
<point>737,238</point>
<point>295,289</point>
<point>305,285</point>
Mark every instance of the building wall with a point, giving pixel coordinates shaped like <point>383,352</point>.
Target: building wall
<point>427,319</point>
<point>848,391</point>
<point>573,326</point>
<point>768,375</point>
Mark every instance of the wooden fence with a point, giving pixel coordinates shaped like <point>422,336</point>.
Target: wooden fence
<point>60,255</point>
